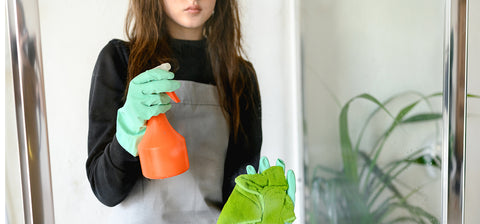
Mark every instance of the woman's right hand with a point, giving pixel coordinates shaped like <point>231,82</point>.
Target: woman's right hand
<point>146,98</point>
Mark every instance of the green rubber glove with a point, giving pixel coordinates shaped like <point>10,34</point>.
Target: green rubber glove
<point>145,98</point>
<point>265,164</point>
<point>260,198</point>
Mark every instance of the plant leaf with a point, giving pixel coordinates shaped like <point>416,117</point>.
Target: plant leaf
<point>349,155</point>
<point>404,111</point>
<point>426,160</point>
<point>418,212</point>
<point>423,117</point>
<point>473,96</point>
<point>402,220</point>
<point>422,98</point>
<point>383,177</point>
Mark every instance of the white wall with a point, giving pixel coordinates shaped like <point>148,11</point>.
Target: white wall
<point>73,33</point>
<point>271,39</point>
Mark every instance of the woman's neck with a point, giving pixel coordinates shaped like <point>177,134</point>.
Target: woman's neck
<point>182,33</point>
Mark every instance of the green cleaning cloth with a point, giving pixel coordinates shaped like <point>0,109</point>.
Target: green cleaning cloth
<point>259,198</point>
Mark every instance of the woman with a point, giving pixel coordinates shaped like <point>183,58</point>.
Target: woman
<point>219,115</point>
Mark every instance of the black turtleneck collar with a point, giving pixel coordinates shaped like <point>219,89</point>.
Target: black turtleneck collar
<point>192,58</point>
<point>177,43</point>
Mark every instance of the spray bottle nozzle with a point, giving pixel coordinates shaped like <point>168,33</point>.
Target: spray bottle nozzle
<point>173,96</point>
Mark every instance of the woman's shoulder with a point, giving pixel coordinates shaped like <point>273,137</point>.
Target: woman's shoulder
<point>250,75</point>
<point>112,62</point>
<point>250,80</point>
<point>117,44</point>
<point>115,49</point>
<point>246,68</point>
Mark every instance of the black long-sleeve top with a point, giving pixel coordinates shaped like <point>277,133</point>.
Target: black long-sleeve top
<point>111,170</point>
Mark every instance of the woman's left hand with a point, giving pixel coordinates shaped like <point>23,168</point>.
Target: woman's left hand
<point>264,197</point>
<point>265,164</point>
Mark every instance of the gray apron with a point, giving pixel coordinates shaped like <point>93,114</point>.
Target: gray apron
<point>190,197</point>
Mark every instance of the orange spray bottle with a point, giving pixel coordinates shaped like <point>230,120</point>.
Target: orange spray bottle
<point>162,150</point>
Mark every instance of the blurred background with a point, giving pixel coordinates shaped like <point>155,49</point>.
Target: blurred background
<point>393,51</point>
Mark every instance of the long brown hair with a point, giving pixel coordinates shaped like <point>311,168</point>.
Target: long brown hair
<point>148,42</point>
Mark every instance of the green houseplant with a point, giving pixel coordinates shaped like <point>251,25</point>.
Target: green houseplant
<point>365,191</point>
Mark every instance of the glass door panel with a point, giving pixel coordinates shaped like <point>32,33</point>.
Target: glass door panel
<point>373,114</point>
